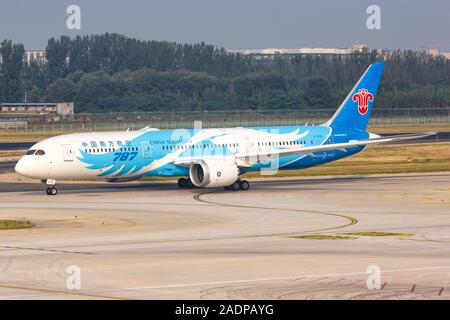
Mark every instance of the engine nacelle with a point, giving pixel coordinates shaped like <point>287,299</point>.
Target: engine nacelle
<point>213,173</point>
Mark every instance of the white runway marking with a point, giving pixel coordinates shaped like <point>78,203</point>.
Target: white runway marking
<point>279,278</point>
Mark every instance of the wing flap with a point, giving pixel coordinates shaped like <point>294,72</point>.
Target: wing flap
<point>247,159</point>
<point>337,146</point>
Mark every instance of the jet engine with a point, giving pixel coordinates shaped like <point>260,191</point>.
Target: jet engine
<point>213,173</point>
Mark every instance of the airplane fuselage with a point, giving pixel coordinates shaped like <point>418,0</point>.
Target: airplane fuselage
<point>148,152</point>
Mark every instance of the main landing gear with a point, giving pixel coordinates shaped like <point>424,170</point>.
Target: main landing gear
<point>51,189</point>
<point>238,185</point>
<point>184,183</point>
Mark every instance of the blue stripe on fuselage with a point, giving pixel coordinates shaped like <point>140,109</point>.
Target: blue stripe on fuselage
<point>163,143</point>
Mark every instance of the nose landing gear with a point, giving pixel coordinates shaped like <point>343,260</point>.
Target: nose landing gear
<point>51,189</point>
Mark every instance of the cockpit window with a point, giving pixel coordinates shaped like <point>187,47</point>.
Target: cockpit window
<point>40,153</point>
<point>30,152</point>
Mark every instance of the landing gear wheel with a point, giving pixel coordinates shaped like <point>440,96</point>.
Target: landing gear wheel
<point>52,191</point>
<point>182,183</point>
<point>189,184</point>
<point>235,186</point>
<point>244,185</point>
<point>226,188</point>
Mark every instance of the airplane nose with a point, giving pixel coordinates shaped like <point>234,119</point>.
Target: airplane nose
<point>22,167</point>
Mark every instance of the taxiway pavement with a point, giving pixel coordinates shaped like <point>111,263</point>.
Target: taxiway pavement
<point>282,239</point>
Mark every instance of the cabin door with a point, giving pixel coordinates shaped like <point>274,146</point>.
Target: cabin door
<point>67,152</point>
<point>146,150</point>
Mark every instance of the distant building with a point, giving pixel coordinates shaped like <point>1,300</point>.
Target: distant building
<point>25,108</point>
<point>271,52</point>
<point>38,56</point>
<point>437,52</point>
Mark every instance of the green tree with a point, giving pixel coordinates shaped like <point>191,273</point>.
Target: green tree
<point>61,90</point>
<point>12,84</point>
<point>57,54</point>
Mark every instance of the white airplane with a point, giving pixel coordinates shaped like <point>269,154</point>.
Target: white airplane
<point>208,158</point>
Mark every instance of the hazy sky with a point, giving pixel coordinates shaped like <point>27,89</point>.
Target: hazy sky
<point>241,24</point>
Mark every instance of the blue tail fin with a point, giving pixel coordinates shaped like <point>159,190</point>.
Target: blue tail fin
<point>354,112</point>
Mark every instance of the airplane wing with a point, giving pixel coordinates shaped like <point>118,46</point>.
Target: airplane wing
<point>243,159</point>
<point>337,146</point>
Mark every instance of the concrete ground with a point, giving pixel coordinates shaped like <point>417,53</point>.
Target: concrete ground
<point>283,239</point>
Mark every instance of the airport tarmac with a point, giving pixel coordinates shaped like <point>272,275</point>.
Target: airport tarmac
<point>308,238</point>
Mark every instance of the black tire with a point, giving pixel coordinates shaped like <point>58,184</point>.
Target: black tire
<point>52,191</point>
<point>189,184</point>
<point>226,188</point>
<point>182,183</point>
<point>244,185</point>
<point>236,186</point>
